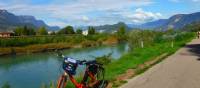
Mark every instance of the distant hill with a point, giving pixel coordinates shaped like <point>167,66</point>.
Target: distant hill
<point>192,27</point>
<point>9,21</point>
<point>180,20</point>
<point>154,24</point>
<point>176,22</point>
<point>111,28</point>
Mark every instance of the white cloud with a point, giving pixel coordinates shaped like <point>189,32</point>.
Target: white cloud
<point>57,23</point>
<point>78,11</point>
<point>141,16</point>
<point>85,18</point>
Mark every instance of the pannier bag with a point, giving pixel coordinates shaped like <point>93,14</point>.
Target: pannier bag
<point>70,65</point>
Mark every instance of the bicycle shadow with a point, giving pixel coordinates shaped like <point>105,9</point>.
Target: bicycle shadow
<point>194,49</point>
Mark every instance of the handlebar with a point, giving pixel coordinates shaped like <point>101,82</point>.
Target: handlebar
<point>79,62</point>
<point>84,62</point>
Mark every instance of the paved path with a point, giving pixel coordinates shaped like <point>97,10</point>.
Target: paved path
<point>180,70</point>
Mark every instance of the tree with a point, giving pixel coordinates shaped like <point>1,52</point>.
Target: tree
<point>67,30</point>
<point>170,35</point>
<point>121,33</point>
<point>141,38</point>
<point>91,30</point>
<point>42,31</point>
<point>79,31</point>
<point>31,31</point>
<point>70,30</point>
<point>19,31</point>
<point>25,30</point>
<point>121,30</point>
<point>62,31</point>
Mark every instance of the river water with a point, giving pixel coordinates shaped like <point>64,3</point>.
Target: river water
<point>33,70</point>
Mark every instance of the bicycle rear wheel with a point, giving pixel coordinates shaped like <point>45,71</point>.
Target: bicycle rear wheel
<point>101,84</point>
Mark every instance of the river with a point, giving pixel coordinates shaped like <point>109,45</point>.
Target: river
<point>33,70</point>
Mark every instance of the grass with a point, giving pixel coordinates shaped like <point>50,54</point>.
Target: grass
<point>31,40</point>
<point>139,56</point>
<point>48,43</point>
<point>34,48</point>
<point>131,60</point>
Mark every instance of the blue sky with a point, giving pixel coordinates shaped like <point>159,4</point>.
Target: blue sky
<point>99,12</point>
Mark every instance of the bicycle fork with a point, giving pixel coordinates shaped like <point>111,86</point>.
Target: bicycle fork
<point>62,81</point>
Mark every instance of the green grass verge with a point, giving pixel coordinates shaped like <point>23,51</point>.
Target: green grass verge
<point>139,56</point>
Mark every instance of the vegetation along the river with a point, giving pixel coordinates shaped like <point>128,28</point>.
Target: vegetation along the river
<point>26,40</point>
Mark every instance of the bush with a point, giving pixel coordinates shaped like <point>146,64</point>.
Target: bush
<point>6,85</point>
<point>137,36</point>
<point>105,60</point>
<point>30,40</point>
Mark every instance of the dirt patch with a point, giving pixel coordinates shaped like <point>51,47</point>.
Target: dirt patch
<point>110,85</point>
<point>157,59</point>
<point>129,73</point>
<point>121,79</point>
<point>111,41</point>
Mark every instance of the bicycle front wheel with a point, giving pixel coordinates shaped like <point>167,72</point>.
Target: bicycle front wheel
<point>62,82</point>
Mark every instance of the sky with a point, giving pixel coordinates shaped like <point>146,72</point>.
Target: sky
<point>99,12</point>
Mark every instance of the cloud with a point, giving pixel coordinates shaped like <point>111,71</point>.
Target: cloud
<point>77,12</point>
<point>196,0</point>
<point>85,18</point>
<point>57,23</point>
<point>140,16</point>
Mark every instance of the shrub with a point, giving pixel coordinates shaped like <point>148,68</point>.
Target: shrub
<point>105,60</point>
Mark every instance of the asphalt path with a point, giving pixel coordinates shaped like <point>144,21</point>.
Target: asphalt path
<point>180,70</point>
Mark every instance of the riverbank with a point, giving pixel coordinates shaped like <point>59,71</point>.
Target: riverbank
<point>36,48</point>
<point>137,61</point>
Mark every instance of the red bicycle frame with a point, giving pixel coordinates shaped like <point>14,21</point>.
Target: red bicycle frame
<point>87,74</point>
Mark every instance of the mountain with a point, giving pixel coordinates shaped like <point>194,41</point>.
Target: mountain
<point>149,25</point>
<point>9,21</point>
<point>175,22</point>
<point>154,24</point>
<point>180,20</point>
<point>111,28</point>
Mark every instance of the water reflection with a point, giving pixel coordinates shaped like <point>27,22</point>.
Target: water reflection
<point>33,70</point>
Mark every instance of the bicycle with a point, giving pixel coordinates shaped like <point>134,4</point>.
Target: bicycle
<point>91,79</point>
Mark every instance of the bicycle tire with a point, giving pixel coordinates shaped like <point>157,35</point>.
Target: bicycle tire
<point>101,84</point>
<point>62,82</point>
